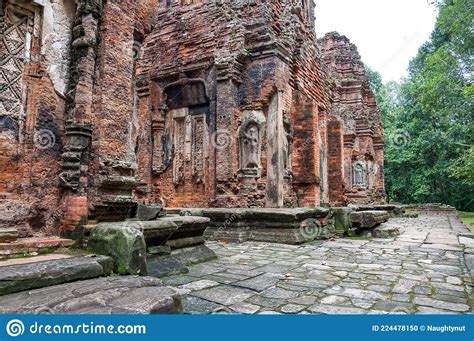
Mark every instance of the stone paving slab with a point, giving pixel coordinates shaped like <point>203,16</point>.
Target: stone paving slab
<point>111,295</point>
<point>20,277</point>
<point>425,270</point>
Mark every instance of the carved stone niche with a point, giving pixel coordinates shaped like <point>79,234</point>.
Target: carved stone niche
<point>78,138</point>
<point>359,174</point>
<point>250,143</point>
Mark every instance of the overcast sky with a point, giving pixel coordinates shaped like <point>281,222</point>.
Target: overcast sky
<point>387,33</point>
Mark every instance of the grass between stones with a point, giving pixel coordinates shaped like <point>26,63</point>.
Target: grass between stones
<point>467,219</point>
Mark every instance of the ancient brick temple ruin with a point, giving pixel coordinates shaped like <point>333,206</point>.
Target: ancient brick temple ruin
<point>106,104</point>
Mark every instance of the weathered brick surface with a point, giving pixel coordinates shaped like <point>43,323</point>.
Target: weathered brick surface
<point>188,104</point>
<point>354,104</point>
<point>243,53</point>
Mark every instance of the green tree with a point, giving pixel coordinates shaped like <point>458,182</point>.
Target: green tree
<point>428,119</point>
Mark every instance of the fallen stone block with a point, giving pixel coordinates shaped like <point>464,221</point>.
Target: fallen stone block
<point>385,231</point>
<point>122,241</point>
<point>149,212</point>
<point>368,219</point>
<point>129,242</point>
<point>175,231</point>
<point>111,295</point>
<point>394,211</point>
<point>189,231</point>
<point>16,278</point>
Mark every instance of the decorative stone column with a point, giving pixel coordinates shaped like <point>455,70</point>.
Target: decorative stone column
<point>79,116</point>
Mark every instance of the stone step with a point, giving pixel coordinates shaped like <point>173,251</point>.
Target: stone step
<point>25,247</point>
<point>111,295</point>
<point>21,277</point>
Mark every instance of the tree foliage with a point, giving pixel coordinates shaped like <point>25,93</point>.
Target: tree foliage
<point>428,118</point>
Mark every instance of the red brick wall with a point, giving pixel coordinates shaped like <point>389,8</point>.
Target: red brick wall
<point>335,163</point>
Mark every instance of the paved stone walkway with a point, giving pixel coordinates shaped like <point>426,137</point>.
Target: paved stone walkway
<point>426,270</point>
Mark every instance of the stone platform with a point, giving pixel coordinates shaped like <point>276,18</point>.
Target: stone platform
<point>287,226</point>
<point>112,295</point>
<point>427,269</point>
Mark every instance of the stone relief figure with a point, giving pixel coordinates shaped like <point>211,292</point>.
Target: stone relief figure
<point>359,175</point>
<point>250,144</point>
<point>250,135</point>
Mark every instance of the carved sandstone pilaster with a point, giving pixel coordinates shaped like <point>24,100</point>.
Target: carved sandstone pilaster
<point>75,154</point>
<point>79,127</point>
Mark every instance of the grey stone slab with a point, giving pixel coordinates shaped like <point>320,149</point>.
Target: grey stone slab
<point>111,295</point>
<point>245,308</point>
<point>433,311</point>
<point>22,277</point>
<point>177,280</point>
<point>444,269</point>
<point>281,235</point>
<point>335,310</point>
<point>224,294</point>
<point>385,231</point>
<point>279,293</point>
<point>259,283</point>
<point>259,214</point>
<point>394,307</point>
<point>362,294</point>
<point>189,231</point>
<point>199,285</point>
<point>428,302</point>
<point>179,260</point>
<point>335,300</point>
<point>149,212</point>
<point>303,300</point>
<point>165,266</point>
<point>194,254</point>
<point>195,306</point>
<point>369,219</point>
<point>292,309</point>
<point>265,302</point>
<point>450,299</point>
